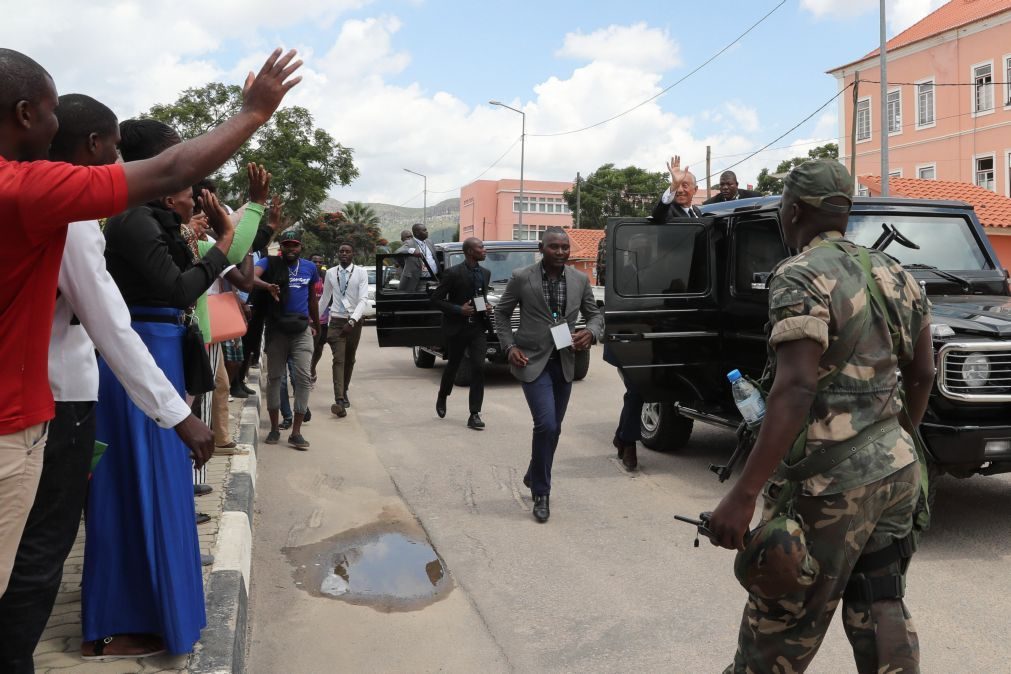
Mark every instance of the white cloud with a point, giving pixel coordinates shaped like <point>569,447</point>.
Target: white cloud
<point>745,116</point>
<point>637,46</point>
<point>900,14</point>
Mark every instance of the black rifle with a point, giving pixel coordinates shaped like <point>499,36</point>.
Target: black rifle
<point>745,442</point>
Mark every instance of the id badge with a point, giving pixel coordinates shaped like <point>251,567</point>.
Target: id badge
<point>480,304</point>
<point>560,333</point>
<point>346,303</point>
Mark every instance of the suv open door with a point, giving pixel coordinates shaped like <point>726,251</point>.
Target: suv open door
<point>405,317</point>
<point>661,309</point>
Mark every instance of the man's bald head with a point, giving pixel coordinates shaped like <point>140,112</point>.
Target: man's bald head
<point>27,107</point>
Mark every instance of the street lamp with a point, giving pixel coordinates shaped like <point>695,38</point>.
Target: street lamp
<point>424,207</point>
<point>523,142</point>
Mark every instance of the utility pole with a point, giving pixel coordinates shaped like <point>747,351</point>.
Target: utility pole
<point>883,56</point>
<point>853,129</point>
<point>709,171</point>
<point>578,180</point>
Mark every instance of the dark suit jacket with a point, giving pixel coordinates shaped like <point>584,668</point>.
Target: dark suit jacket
<point>663,212</point>
<point>741,194</point>
<point>534,334</point>
<point>455,289</point>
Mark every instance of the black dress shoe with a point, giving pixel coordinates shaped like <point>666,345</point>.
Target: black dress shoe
<point>541,510</point>
<point>526,481</point>
<point>347,403</point>
<point>440,406</point>
<point>619,445</point>
<point>202,489</point>
<point>475,422</point>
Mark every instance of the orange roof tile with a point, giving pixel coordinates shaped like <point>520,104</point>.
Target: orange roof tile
<point>954,14</point>
<point>584,243</point>
<point>993,210</point>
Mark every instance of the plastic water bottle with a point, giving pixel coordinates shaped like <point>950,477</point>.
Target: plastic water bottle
<point>748,398</point>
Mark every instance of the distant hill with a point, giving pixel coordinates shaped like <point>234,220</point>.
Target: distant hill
<point>443,218</point>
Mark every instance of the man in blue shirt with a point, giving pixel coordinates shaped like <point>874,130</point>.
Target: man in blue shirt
<point>291,326</point>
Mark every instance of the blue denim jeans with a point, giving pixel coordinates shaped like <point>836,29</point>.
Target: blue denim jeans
<point>629,429</point>
<point>548,398</point>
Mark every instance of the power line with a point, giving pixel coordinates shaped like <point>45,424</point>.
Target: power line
<point>411,199</point>
<point>664,91</point>
<point>481,174</point>
<point>788,132</point>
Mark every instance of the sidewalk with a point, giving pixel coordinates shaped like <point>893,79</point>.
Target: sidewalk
<point>60,647</point>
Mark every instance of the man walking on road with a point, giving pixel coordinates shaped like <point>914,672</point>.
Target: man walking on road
<point>541,354</point>
<point>292,322</point>
<point>462,296</point>
<point>835,457</point>
<point>345,295</point>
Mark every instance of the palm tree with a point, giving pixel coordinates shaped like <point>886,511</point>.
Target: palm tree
<point>359,214</point>
<point>362,228</point>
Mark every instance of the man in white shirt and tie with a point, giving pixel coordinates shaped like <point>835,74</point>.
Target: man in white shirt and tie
<point>345,293</point>
<point>676,202</point>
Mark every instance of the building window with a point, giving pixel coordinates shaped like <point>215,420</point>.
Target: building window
<point>864,120</point>
<point>528,232</point>
<point>927,172</point>
<point>895,173</point>
<point>925,103</point>
<point>894,105</point>
<point>541,205</point>
<point>982,88</point>
<point>985,172</point>
<point>862,191</point>
<point>1007,80</point>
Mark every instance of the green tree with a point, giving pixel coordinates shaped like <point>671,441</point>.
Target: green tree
<point>361,227</point>
<point>323,235</point>
<point>610,191</point>
<point>358,213</point>
<point>769,183</point>
<point>305,161</point>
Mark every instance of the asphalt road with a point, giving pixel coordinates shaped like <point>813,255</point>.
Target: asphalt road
<point>610,583</point>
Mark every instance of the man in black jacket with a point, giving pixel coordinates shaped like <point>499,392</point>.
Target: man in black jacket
<point>729,191</point>
<point>462,298</point>
<point>676,201</point>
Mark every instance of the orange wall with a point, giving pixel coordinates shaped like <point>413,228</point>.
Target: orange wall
<point>957,134</point>
<point>486,207</point>
<point>1002,246</point>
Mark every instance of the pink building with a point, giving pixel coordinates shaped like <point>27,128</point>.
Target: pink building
<point>949,101</point>
<point>489,209</point>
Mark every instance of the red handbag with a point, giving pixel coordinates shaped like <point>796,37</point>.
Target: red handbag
<point>228,321</point>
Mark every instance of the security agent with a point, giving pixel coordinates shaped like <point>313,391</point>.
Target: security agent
<point>462,296</point>
<point>728,190</point>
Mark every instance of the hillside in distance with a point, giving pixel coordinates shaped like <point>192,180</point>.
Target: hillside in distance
<point>443,218</point>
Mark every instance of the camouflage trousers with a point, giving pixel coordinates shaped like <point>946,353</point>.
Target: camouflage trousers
<point>782,636</point>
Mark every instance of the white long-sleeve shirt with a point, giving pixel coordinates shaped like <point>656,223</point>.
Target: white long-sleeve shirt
<point>349,301</point>
<point>88,292</point>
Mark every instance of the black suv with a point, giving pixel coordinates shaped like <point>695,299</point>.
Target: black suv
<point>407,318</point>
<point>686,302</point>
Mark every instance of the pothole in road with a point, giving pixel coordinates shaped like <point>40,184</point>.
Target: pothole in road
<point>376,566</point>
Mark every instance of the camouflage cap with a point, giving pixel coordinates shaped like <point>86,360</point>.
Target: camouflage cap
<point>819,179</point>
<point>291,236</point>
<point>775,560</point>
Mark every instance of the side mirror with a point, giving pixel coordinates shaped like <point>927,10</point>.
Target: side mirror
<point>760,280</point>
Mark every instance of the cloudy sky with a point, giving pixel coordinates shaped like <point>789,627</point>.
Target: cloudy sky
<point>406,83</point>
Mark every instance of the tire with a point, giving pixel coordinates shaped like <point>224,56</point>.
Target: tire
<point>423,359</point>
<point>582,365</point>
<point>663,429</point>
<point>463,375</point>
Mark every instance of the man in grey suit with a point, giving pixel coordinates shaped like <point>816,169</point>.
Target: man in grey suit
<point>419,250</point>
<point>541,352</point>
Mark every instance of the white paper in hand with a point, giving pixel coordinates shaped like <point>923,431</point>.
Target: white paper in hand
<point>563,338</point>
<point>479,304</point>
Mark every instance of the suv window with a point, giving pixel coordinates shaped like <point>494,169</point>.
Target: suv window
<point>661,260</point>
<point>758,248</point>
<point>501,263</point>
<point>945,242</point>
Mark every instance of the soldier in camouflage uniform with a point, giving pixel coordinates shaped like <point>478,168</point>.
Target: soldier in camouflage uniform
<point>833,358</point>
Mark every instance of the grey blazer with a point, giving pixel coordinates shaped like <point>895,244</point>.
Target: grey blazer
<point>411,278</point>
<point>534,334</point>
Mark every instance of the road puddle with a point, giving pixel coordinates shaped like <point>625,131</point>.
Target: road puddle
<point>377,566</point>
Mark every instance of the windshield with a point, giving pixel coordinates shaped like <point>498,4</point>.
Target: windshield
<point>501,263</point>
<point>945,242</point>
<point>372,276</point>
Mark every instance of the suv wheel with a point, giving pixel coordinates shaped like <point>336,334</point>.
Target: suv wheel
<point>582,365</point>
<point>423,359</point>
<point>663,429</point>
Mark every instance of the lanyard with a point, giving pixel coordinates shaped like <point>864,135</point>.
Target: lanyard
<point>350,270</point>
<point>480,277</point>
<point>553,296</point>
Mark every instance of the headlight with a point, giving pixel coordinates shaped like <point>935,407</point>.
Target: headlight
<point>976,370</point>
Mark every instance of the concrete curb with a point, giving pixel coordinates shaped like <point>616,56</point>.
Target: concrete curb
<point>222,647</point>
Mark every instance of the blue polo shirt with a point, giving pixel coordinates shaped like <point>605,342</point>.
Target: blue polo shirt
<point>301,276</point>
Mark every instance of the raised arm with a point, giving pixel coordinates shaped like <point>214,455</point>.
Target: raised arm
<point>186,163</point>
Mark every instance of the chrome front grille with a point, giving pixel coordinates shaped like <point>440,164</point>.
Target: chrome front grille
<point>987,364</point>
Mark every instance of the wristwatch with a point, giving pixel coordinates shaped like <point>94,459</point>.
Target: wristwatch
<point>352,322</point>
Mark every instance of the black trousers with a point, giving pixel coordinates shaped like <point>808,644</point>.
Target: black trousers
<point>49,535</point>
<point>470,342</point>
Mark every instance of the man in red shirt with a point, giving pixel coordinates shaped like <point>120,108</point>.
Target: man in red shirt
<point>38,199</point>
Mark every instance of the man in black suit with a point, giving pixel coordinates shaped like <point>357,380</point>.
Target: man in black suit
<point>462,296</point>
<point>676,202</point>
<point>729,191</point>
